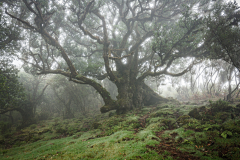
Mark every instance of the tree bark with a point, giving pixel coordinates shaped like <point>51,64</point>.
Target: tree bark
<point>132,96</point>
<point>150,97</point>
<point>68,112</point>
<point>27,115</point>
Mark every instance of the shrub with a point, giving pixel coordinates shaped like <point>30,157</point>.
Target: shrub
<point>5,127</point>
<point>219,106</point>
<point>33,126</point>
<point>96,125</point>
<point>43,116</point>
<point>61,130</point>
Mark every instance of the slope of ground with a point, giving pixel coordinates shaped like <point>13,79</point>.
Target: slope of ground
<point>166,131</point>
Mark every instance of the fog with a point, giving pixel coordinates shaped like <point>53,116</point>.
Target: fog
<point>119,79</point>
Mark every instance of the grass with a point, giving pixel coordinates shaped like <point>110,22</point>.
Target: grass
<point>119,145</point>
<point>151,133</point>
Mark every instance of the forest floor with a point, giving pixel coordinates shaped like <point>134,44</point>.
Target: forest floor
<point>163,131</point>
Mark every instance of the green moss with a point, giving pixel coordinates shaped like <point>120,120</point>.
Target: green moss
<point>163,105</point>
<point>123,137</point>
<point>145,110</point>
<point>170,123</point>
<point>146,135</point>
<point>155,119</point>
<point>183,119</point>
<point>106,108</point>
<point>120,145</point>
<point>233,126</point>
<point>219,106</point>
<point>202,109</point>
<point>5,127</point>
<point>33,126</point>
<point>195,114</point>
<point>222,116</point>
<point>209,127</point>
<point>43,131</point>
<point>61,130</point>
<point>201,138</point>
<point>96,125</point>
<point>163,112</point>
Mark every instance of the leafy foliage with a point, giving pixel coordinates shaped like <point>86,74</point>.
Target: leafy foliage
<point>222,33</point>
<point>12,92</point>
<point>226,133</point>
<point>88,40</point>
<point>9,34</point>
<point>134,135</point>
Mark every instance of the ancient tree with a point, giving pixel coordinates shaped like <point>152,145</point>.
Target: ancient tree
<point>86,40</point>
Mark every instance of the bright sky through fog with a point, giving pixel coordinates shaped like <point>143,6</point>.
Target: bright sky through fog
<point>18,63</point>
<point>238,1</point>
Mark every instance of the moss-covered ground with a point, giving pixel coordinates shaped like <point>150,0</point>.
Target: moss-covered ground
<point>164,131</point>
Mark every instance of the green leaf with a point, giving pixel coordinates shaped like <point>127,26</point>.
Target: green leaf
<point>226,133</point>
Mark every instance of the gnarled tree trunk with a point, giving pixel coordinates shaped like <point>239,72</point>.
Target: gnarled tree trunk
<point>150,97</point>
<point>134,95</point>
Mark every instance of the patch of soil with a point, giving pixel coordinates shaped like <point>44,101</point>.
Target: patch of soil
<point>169,145</point>
<point>59,137</point>
<point>142,120</point>
<point>127,139</point>
<point>223,151</point>
<point>7,146</point>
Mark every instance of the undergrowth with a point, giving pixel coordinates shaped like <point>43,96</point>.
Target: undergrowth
<point>163,131</point>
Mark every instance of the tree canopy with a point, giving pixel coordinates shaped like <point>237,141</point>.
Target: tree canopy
<point>125,41</point>
<point>222,33</point>
<point>12,93</point>
<point>9,34</point>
